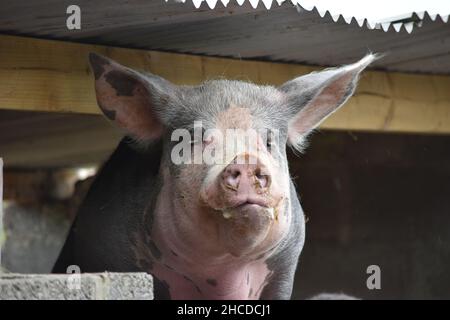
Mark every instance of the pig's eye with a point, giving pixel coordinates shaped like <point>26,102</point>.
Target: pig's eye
<point>269,142</point>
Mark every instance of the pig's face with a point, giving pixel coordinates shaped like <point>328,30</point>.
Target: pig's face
<point>240,197</point>
<point>224,145</point>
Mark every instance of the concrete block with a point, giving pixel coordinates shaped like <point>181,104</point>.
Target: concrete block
<point>86,286</point>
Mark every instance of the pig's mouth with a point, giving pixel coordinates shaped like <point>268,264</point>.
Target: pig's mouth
<point>250,201</point>
<point>250,207</point>
<point>246,225</point>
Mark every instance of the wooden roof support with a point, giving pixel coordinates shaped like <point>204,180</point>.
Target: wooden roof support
<point>54,76</point>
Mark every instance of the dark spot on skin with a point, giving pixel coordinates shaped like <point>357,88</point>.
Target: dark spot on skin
<point>110,114</point>
<point>193,283</point>
<point>154,250</point>
<point>250,292</point>
<point>197,288</point>
<point>161,289</point>
<point>97,63</point>
<point>123,83</point>
<point>212,282</point>
<point>146,264</point>
<point>187,278</point>
<point>173,252</point>
<point>168,267</point>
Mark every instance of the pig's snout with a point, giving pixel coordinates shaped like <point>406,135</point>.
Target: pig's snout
<point>246,178</point>
<point>248,196</point>
<point>246,181</point>
<point>245,185</point>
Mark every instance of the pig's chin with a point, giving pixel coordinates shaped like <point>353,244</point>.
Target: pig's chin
<point>244,227</point>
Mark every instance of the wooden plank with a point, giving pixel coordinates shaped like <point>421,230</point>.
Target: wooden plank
<point>53,76</point>
<point>52,140</point>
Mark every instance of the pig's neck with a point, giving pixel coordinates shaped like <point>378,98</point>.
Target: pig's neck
<point>192,264</point>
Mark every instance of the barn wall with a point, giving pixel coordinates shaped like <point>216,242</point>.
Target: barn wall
<point>375,199</point>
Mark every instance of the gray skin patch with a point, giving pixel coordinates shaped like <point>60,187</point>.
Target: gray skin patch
<point>156,253</point>
<point>164,100</point>
<point>123,83</point>
<point>97,63</point>
<point>250,292</point>
<point>212,282</point>
<point>162,289</point>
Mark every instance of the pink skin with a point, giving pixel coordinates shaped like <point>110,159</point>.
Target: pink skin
<point>199,258</point>
<point>205,253</point>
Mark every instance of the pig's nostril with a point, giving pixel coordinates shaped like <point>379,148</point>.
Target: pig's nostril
<point>262,179</point>
<point>232,178</point>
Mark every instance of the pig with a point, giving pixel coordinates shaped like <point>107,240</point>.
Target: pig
<point>226,230</point>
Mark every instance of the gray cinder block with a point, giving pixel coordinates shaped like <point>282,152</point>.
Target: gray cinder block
<point>86,286</point>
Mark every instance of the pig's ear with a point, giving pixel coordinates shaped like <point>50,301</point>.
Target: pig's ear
<point>134,102</point>
<point>315,96</point>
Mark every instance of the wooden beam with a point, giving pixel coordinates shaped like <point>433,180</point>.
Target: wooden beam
<point>54,76</point>
<point>52,140</point>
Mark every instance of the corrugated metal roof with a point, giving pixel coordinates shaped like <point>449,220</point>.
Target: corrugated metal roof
<point>411,15</point>
<point>280,34</point>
